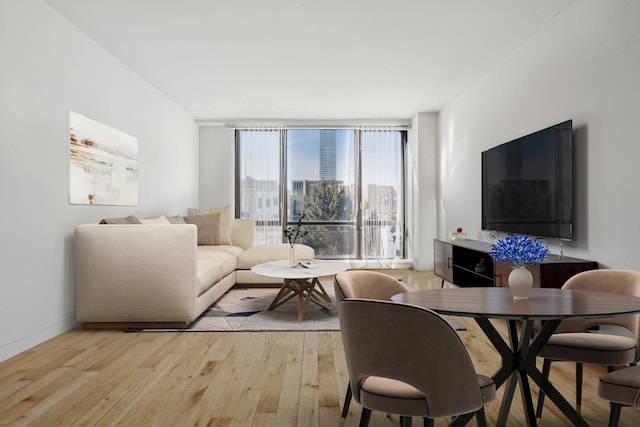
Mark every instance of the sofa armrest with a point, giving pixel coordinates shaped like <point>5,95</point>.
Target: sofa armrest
<point>135,273</point>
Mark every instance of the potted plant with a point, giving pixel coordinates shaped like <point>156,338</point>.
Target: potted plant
<point>292,233</point>
<point>519,252</point>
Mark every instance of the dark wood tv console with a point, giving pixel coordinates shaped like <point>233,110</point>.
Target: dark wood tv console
<point>467,263</point>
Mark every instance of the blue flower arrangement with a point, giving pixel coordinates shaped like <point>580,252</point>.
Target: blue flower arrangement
<point>519,251</point>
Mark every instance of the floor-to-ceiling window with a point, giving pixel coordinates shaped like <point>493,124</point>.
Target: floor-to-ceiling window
<point>321,183</point>
<point>258,181</point>
<point>382,172</point>
<point>347,182</point>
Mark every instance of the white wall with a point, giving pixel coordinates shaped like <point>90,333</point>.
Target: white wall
<point>421,179</point>
<point>217,166</point>
<point>48,67</point>
<point>585,66</point>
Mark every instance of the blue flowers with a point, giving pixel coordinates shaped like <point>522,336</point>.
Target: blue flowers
<point>519,251</point>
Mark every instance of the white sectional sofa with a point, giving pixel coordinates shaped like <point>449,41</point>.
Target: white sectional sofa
<point>156,275</point>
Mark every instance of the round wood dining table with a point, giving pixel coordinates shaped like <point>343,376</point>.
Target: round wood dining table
<point>548,305</point>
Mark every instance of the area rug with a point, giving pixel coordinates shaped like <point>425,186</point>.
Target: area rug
<point>245,309</point>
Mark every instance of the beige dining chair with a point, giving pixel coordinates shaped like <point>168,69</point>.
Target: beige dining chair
<point>608,342</point>
<point>368,285</point>
<point>396,364</point>
<point>620,388</point>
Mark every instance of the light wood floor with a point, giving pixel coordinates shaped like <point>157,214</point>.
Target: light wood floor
<point>274,379</point>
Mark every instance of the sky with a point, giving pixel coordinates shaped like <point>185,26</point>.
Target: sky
<point>303,147</point>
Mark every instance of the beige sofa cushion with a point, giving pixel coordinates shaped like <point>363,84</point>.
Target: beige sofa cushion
<point>273,252</point>
<point>232,250</point>
<point>213,265</point>
<point>243,232</point>
<point>225,221</point>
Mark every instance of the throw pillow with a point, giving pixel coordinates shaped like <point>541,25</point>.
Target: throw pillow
<point>208,228</point>
<point>159,220</point>
<point>225,221</point>
<point>131,219</point>
<point>178,219</point>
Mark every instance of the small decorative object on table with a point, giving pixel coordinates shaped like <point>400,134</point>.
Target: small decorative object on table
<point>481,266</point>
<point>459,234</point>
<point>292,233</point>
<point>519,252</point>
<point>492,236</point>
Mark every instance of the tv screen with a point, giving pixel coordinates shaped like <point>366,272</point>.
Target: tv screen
<point>527,185</point>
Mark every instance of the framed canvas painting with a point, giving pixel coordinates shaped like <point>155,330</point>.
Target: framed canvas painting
<point>103,164</point>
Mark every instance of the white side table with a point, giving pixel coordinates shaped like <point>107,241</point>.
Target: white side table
<point>301,282</point>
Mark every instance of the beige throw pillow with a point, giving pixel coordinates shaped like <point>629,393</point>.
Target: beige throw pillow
<point>131,219</point>
<point>225,221</point>
<point>208,228</point>
<point>159,220</point>
<point>178,219</point>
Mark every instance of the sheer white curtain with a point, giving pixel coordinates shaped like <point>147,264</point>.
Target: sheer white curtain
<point>259,179</point>
<point>382,180</point>
<point>356,207</point>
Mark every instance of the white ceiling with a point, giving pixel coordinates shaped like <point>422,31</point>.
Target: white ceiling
<point>310,59</point>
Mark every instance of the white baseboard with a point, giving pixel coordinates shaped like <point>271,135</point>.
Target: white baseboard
<point>25,343</point>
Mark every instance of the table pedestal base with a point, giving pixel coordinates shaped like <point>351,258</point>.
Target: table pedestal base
<point>307,290</point>
<point>519,365</point>
<point>519,351</point>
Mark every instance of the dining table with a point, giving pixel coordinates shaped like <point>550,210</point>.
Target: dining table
<point>530,323</point>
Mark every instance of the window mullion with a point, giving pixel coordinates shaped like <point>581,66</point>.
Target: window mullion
<point>358,194</point>
<point>284,199</point>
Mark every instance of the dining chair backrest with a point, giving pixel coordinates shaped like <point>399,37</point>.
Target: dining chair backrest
<point>413,345</point>
<point>625,282</point>
<point>367,284</point>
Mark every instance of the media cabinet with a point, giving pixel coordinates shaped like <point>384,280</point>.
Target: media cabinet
<point>467,263</point>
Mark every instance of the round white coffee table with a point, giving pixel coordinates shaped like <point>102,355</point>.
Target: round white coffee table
<point>300,281</point>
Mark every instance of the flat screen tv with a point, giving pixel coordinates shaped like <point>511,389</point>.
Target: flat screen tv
<point>527,184</point>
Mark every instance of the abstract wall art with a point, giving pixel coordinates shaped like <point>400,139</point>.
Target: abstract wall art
<point>103,164</point>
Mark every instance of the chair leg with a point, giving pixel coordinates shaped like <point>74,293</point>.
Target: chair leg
<point>428,422</point>
<point>546,369</point>
<point>481,418</point>
<point>462,420</point>
<point>579,374</point>
<point>345,406</point>
<point>365,417</point>
<point>614,417</point>
<point>406,421</point>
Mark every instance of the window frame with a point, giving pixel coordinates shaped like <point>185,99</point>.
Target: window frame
<point>359,222</point>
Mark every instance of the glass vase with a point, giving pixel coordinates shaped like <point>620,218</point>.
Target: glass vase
<point>292,256</point>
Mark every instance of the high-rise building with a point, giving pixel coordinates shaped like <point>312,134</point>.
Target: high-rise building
<point>328,154</point>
